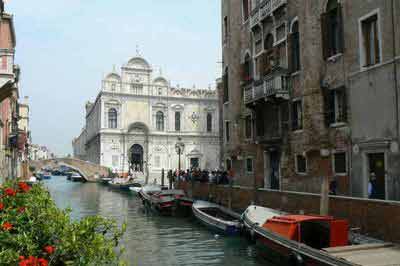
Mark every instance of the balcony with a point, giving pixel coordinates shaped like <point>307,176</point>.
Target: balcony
<point>264,9</point>
<point>274,85</point>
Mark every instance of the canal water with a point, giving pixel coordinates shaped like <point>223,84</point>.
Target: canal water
<point>151,240</point>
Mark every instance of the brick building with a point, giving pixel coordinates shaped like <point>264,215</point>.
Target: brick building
<point>310,89</point>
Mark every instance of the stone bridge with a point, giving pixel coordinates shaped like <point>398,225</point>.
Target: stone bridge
<point>89,171</point>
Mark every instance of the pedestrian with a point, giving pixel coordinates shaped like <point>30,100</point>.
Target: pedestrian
<point>372,193</point>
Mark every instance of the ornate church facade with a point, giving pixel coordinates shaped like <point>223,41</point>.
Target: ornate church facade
<point>137,119</point>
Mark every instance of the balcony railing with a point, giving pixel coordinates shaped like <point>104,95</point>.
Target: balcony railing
<point>264,9</point>
<point>272,86</point>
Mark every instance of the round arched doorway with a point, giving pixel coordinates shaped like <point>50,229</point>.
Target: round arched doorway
<point>136,158</point>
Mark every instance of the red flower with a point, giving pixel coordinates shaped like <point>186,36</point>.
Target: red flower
<point>32,261</point>
<point>21,209</point>
<point>10,192</point>
<point>49,249</point>
<point>1,206</point>
<point>23,186</point>
<point>7,226</point>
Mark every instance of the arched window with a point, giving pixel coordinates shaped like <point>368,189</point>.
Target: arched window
<point>177,121</point>
<point>112,118</point>
<point>247,69</point>
<point>295,41</point>
<point>209,122</point>
<point>160,121</point>
<point>269,42</point>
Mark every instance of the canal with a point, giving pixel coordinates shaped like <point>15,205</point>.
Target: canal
<point>151,240</point>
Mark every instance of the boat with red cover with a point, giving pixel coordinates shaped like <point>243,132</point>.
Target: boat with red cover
<point>300,239</point>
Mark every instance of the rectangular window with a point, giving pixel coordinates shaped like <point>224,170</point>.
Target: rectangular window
<point>115,160</point>
<point>248,127</point>
<point>370,41</point>
<point>209,122</point>
<point>301,164</point>
<point>246,9</point>
<point>297,115</point>
<point>225,29</point>
<point>336,107</point>
<point>226,86</point>
<point>177,121</point>
<point>260,123</point>
<point>157,161</point>
<point>227,131</point>
<point>249,165</point>
<point>332,30</point>
<point>257,35</point>
<point>339,161</point>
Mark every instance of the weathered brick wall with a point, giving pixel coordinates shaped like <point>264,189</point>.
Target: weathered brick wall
<point>375,218</point>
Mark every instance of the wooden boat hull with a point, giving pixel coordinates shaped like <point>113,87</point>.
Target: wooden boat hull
<point>225,226</point>
<point>171,202</point>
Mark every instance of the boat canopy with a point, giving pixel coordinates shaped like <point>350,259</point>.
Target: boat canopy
<point>315,231</point>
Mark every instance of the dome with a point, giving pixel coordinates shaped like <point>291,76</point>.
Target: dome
<point>160,81</point>
<point>138,63</point>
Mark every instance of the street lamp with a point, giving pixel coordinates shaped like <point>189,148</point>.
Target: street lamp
<point>179,147</point>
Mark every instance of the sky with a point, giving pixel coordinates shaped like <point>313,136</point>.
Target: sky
<point>65,48</point>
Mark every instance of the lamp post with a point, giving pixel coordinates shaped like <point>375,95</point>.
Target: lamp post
<point>179,147</point>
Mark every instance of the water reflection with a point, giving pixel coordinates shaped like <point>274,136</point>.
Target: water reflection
<point>149,239</point>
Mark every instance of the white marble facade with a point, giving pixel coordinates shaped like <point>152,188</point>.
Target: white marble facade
<point>136,121</point>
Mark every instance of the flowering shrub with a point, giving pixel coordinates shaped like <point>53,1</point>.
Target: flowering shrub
<point>34,232</point>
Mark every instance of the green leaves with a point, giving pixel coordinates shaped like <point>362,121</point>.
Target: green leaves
<point>90,241</point>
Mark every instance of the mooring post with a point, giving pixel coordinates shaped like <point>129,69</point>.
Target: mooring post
<point>162,177</point>
<point>170,178</point>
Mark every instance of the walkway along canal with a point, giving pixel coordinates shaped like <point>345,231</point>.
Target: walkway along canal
<point>151,240</point>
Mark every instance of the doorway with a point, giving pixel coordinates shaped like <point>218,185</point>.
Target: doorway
<point>272,169</point>
<point>194,163</point>
<point>136,158</point>
<point>376,167</point>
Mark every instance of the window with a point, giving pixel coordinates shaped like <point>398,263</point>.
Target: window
<point>247,70</point>
<point>113,86</point>
<point>157,161</point>
<point>227,131</point>
<point>177,121</point>
<point>301,164</point>
<point>249,165</point>
<point>246,9</point>
<point>257,37</point>
<point>248,129</point>
<point>270,58</point>
<point>332,29</point>
<point>335,106</point>
<point>160,121</point>
<point>209,122</point>
<point>295,42</point>
<point>370,41</point>
<point>112,118</point>
<point>159,91</point>
<point>339,163</point>
<point>225,29</point>
<point>115,160</point>
<point>297,115</point>
<point>226,86</point>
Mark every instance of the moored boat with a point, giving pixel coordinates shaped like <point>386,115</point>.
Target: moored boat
<point>256,216</point>
<point>217,217</point>
<point>77,178</point>
<point>300,239</point>
<point>46,175</point>
<point>105,180</point>
<point>122,184</point>
<point>171,202</point>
